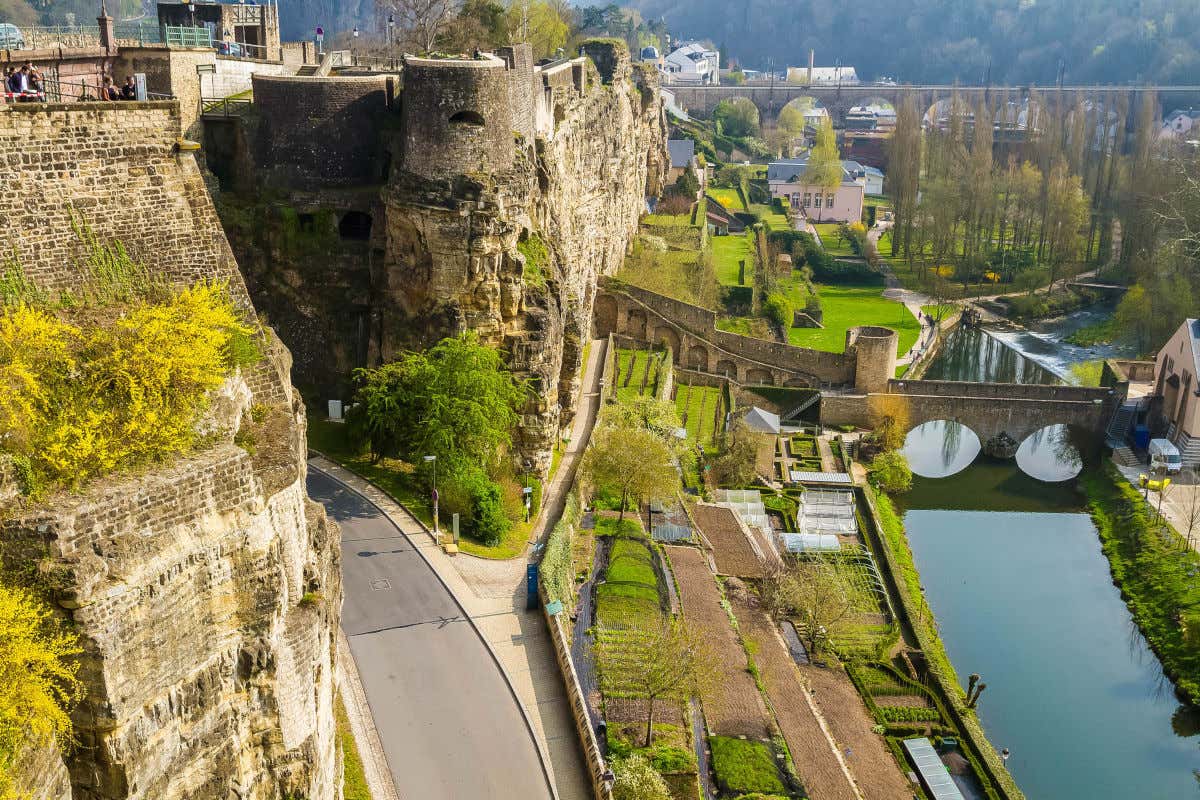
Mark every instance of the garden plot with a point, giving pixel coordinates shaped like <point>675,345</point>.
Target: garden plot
<point>812,752</point>
<point>735,708</point>
<point>734,553</point>
<point>868,631</point>
<point>638,372</point>
<point>702,410</point>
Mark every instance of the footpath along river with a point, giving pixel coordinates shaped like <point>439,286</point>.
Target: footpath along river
<point>1013,570</point>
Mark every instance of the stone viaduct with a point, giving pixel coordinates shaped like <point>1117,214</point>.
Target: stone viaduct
<point>771,98</point>
<point>989,409</point>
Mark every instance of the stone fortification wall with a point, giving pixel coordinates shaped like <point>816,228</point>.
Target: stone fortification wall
<point>484,160</point>
<point>698,344</point>
<point>116,168</point>
<point>459,116</point>
<point>321,132</point>
<point>205,591</point>
<point>1001,391</point>
<point>874,350</point>
<point>454,257</point>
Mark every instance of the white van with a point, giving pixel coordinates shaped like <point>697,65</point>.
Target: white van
<point>1165,456</point>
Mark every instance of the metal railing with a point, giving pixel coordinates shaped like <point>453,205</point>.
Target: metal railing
<point>142,32</point>
<point>187,36</point>
<point>242,50</point>
<point>225,106</point>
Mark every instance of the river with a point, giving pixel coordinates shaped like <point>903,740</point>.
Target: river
<point>1013,570</point>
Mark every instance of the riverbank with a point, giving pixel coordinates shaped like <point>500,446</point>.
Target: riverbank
<point>1155,572</point>
<point>915,614</point>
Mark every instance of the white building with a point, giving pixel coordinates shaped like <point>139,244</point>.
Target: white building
<point>692,64</point>
<point>1180,124</point>
<point>822,76</point>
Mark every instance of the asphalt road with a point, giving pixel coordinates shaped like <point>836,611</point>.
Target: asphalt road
<point>449,724</point>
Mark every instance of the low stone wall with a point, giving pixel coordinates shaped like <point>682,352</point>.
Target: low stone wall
<point>692,333</point>
<point>999,391</point>
<point>597,767</point>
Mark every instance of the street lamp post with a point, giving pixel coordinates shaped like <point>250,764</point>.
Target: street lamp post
<point>391,29</point>
<point>437,531</point>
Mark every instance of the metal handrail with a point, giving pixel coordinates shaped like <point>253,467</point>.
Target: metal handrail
<point>225,106</point>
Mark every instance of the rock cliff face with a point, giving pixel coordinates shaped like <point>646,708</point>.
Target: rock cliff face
<point>205,591</point>
<point>508,190</point>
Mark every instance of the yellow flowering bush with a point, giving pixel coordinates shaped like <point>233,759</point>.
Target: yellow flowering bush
<point>38,683</point>
<point>80,402</point>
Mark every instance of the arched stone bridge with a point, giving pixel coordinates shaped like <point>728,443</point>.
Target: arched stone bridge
<point>771,98</point>
<point>988,409</point>
<point>697,344</point>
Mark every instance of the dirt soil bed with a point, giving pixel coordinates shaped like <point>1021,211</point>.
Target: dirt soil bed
<point>812,752</point>
<point>735,708</point>
<point>870,761</point>
<point>731,549</point>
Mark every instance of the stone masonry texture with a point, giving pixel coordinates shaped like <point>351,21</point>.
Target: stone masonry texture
<point>475,158</point>
<point>206,590</point>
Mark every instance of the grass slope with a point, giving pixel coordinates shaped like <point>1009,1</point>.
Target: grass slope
<point>845,307</point>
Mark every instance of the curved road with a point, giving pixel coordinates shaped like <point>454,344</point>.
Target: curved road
<point>448,720</point>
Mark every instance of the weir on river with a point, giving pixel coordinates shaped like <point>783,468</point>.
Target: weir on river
<point>1013,569</point>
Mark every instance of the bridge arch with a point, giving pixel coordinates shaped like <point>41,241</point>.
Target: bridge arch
<point>727,368</point>
<point>635,324</point>
<point>757,376</point>
<point>667,337</point>
<point>697,358</point>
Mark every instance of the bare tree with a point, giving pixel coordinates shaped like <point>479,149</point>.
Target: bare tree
<point>421,20</point>
<point>671,659</point>
<point>816,592</point>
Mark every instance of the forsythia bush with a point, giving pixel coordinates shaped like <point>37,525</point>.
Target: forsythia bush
<point>38,683</point>
<point>80,402</point>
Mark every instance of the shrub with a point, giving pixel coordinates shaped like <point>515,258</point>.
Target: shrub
<point>637,780</point>
<point>81,402</point>
<point>779,309</point>
<point>537,261</point>
<point>890,472</point>
<point>908,714</point>
<point>488,519</point>
<point>674,203</point>
<point>38,683</point>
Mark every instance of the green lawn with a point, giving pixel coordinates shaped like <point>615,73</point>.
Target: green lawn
<point>728,198</point>
<point>846,307</point>
<point>727,252</point>
<point>680,220</point>
<point>831,241</point>
<point>772,218</point>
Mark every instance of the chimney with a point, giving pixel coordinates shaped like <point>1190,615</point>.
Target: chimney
<point>812,54</point>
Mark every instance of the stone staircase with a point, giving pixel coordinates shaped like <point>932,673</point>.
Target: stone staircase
<point>1124,456</point>
<point>1118,427</point>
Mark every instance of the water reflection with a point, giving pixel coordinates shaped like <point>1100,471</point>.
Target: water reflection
<point>1049,455</point>
<point>970,354</point>
<point>940,448</point>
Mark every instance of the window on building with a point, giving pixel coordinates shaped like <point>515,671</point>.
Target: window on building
<point>808,199</point>
<point>467,118</point>
<point>817,202</point>
<point>828,200</point>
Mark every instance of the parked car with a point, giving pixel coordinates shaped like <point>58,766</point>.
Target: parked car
<point>11,37</point>
<point>1165,456</point>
